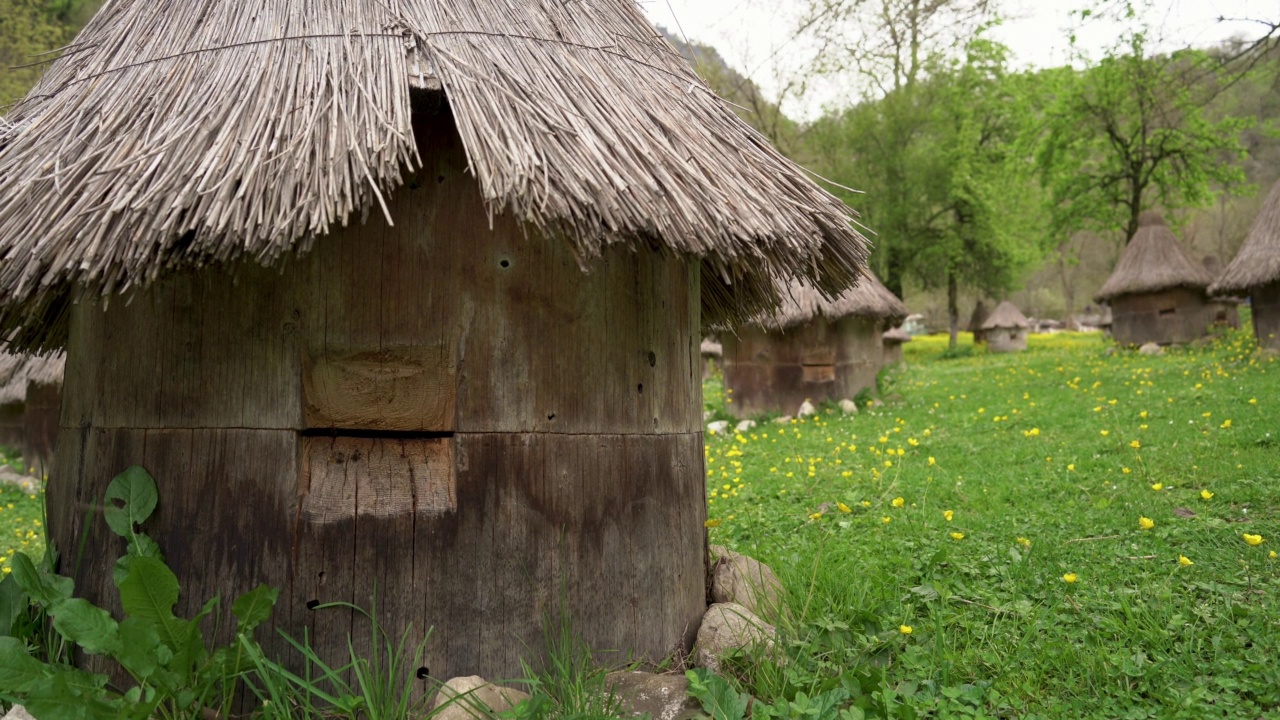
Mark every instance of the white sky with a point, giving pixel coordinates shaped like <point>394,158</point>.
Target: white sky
<point>755,36</point>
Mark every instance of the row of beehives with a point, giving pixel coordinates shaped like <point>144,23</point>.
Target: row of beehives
<point>30,400</point>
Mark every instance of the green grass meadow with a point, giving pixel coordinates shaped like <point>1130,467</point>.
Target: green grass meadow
<point>975,547</point>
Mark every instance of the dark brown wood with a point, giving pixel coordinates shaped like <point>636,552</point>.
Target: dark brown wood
<point>1169,317</point>
<point>452,414</point>
<point>772,371</point>
<point>11,426</point>
<point>40,426</point>
<point>1265,304</point>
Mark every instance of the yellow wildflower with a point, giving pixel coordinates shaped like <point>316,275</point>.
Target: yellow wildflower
<point>1206,495</point>
<point>1024,542</point>
<point>865,503</point>
<point>957,536</point>
<point>711,524</point>
<point>1226,424</point>
<point>1146,523</point>
<point>898,502</point>
<point>904,629</point>
<point>1252,539</point>
<point>948,514</point>
<point>1157,487</point>
<point>1185,561</point>
<point>1125,470</point>
<point>1070,578</point>
<point>932,462</point>
<point>843,508</point>
<point>886,519</point>
<point>815,516</point>
<point>1135,444</point>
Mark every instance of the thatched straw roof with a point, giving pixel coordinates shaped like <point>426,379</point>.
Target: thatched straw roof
<point>801,303</point>
<point>1258,262</point>
<point>17,370</point>
<point>179,134</point>
<point>1006,316</point>
<point>711,348</point>
<point>896,335</point>
<point>1153,262</point>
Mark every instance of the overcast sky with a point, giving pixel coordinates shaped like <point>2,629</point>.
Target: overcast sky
<point>755,36</point>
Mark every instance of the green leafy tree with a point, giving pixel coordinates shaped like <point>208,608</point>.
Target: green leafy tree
<point>29,29</point>
<point>1131,133</point>
<point>946,160</point>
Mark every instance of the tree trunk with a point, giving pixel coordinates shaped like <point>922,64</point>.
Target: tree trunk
<point>953,309</point>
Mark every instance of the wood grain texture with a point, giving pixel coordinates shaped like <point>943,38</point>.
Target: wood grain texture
<point>1169,317</point>
<point>446,415</point>
<point>775,371</point>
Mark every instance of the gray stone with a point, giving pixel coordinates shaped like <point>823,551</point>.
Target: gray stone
<point>463,697</point>
<point>806,409</point>
<point>745,425</point>
<point>25,483</point>
<point>848,407</point>
<point>661,697</point>
<point>782,420</point>
<point>718,427</point>
<point>1150,349</point>
<point>727,627</point>
<point>17,712</point>
<point>746,581</point>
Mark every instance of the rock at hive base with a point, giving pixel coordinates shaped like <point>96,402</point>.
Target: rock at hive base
<point>736,578</point>
<point>727,627</point>
<point>464,698</point>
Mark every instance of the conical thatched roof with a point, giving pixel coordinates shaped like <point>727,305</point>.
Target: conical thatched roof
<point>176,134</point>
<point>1258,262</point>
<point>1006,316</point>
<point>801,303</point>
<point>1153,262</point>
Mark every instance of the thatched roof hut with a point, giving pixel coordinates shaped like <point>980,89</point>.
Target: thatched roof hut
<point>1006,329</point>
<point>811,348</point>
<point>214,138</point>
<point>1255,272</point>
<point>1156,292</point>
<point>347,239</point>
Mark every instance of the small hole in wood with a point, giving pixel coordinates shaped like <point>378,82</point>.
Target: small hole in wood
<point>551,416</point>
<point>640,388</point>
<point>653,359</point>
<point>505,263</point>
<point>440,179</point>
<point>313,604</point>
<point>423,673</point>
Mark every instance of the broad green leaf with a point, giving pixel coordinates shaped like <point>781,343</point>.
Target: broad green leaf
<point>191,650</point>
<point>65,696</point>
<point>131,498</point>
<point>254,607</point>
<point>87,625</point>
<point>41,586</point>
<point>19,672</point>
<point>13,602</point>
<point>141,651</point>
<point>148,593</point>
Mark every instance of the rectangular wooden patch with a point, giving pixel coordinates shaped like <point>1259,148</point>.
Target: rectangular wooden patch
<point>346,477</point>
<point>819,373</point>
<point>406,388</point>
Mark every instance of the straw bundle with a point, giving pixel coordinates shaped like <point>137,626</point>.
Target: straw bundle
<point>178,134</point>
<point>1153,262</point>
<point>1006,316</point>
<point>802,303</point>
<point>17,370</point>
<point>1258,262</point>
